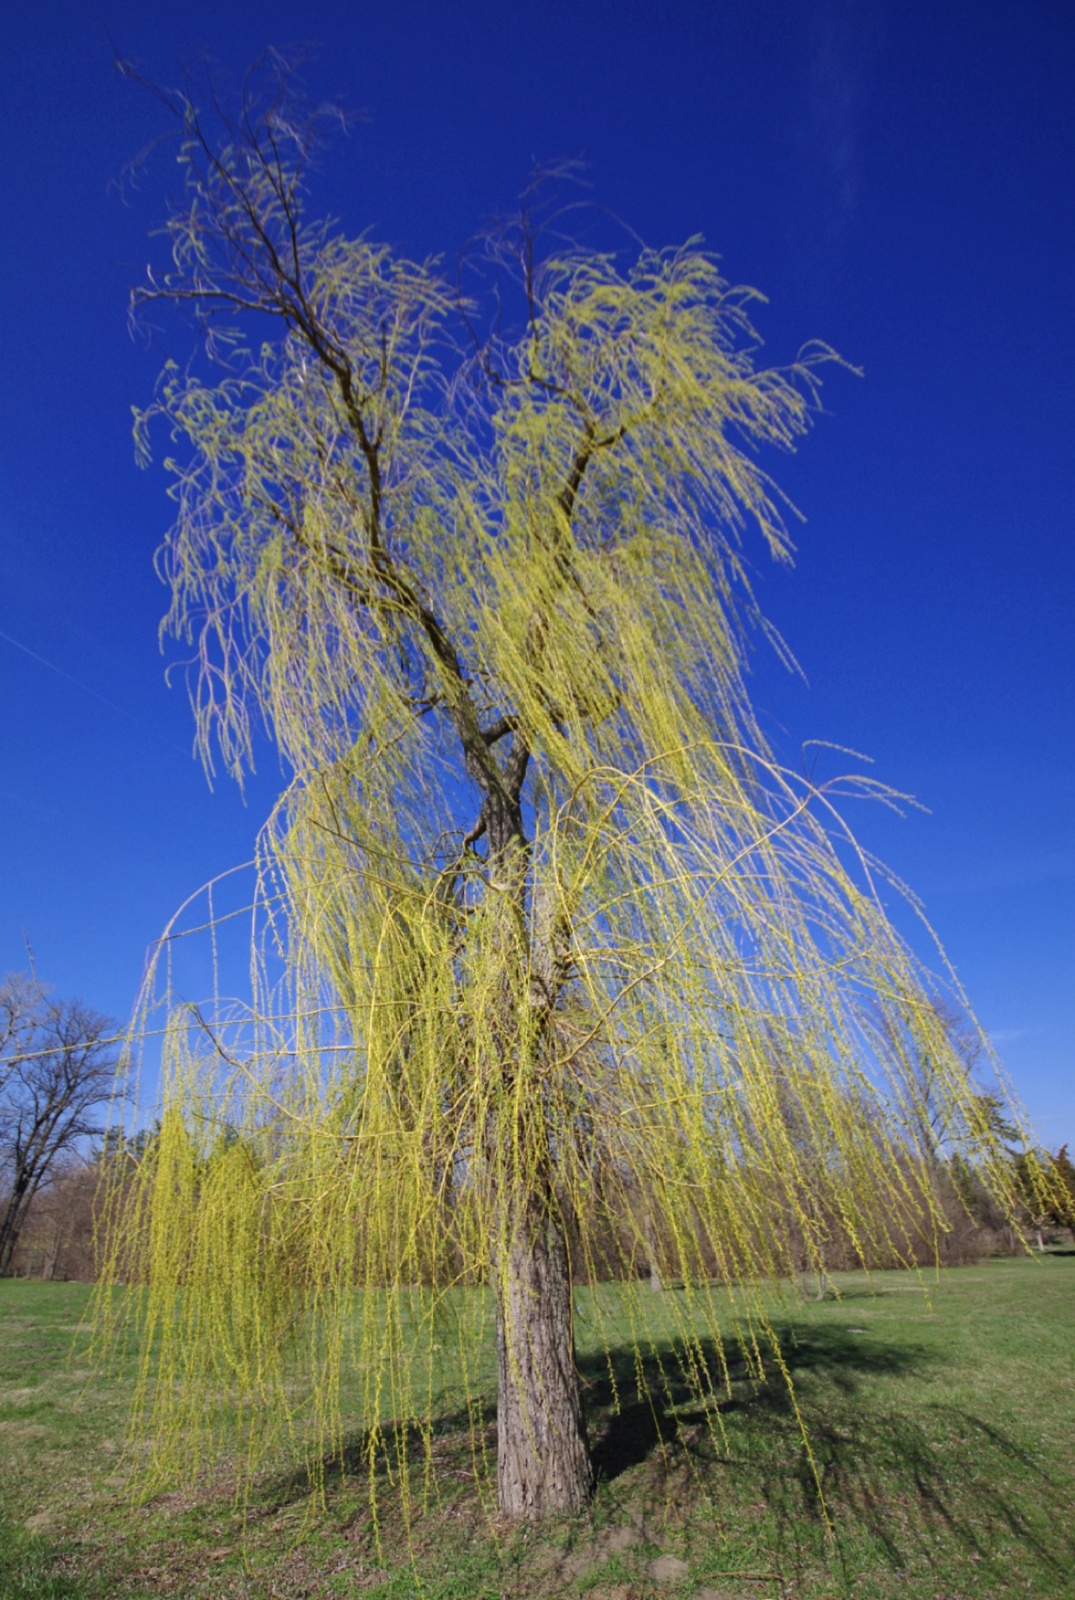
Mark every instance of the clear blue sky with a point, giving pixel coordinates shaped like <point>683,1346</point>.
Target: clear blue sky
<point>898,178</point>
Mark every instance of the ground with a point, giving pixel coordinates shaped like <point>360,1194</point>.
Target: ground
<point>940,1411</point>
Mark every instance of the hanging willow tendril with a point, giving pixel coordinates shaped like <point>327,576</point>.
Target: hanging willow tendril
<point>556,973</point>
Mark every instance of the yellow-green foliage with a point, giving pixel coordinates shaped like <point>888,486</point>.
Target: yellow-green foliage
<point>683,998</point>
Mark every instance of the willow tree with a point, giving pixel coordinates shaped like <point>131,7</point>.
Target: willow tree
<point>557,939</point>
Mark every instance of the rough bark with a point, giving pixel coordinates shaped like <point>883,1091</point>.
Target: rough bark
<point>543,1458</point>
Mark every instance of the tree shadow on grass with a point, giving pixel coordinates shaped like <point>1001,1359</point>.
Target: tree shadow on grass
<point>658,1395</point>
<point>928,1484</point>
<point>916,1483</point>
<point>452,1442</point>
<point>636,1403</point>
<point>941,1487</point>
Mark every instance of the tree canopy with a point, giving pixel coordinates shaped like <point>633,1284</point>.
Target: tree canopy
<point>555,967</point>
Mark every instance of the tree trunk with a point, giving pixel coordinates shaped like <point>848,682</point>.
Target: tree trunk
<point>52,1253</point>
<point>11,1224</point>
<point>543,1458</point>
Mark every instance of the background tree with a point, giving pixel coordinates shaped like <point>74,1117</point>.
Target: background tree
<point>1062,1211</point>
<point>537,898</point>
<point>20,1001</point>
<point>1048,1203</point>
<point>59,1073</point>
<point>57,1234</point>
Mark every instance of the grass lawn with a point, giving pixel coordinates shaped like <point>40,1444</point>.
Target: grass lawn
<point>943,1428</point>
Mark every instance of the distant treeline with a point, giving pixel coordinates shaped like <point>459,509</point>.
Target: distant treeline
<point>956,1224</point>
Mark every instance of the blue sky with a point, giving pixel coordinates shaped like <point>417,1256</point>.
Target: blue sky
<point>898,179</point>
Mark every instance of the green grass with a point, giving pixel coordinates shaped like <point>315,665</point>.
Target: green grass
<point>943,1430</point>
<point>33,1569</point>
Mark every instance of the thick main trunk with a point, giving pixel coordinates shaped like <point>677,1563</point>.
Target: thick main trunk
<point>543,1458</point>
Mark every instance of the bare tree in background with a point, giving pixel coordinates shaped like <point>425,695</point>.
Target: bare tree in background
<point>58,1069</point>
<point>19,1000</point>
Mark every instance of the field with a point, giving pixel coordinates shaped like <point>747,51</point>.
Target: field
<point>943,1426</point>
